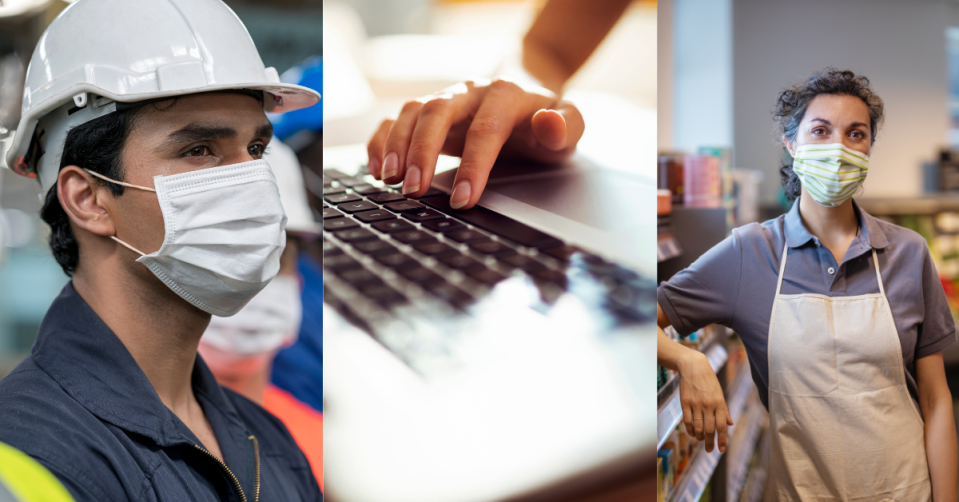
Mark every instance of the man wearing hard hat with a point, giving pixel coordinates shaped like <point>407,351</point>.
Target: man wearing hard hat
<point>146,137</point>
<point>240,349</point>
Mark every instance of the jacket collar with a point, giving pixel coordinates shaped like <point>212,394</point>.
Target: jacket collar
<point>80,352</point>
<point>871,233</point>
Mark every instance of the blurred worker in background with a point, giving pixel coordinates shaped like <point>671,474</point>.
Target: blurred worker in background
<point>240,349</point>
<point>144,123</point>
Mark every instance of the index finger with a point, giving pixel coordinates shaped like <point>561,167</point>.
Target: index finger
<point>504,104</point>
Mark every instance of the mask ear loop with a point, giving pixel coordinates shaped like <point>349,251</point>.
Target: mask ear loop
<point>104,178</point>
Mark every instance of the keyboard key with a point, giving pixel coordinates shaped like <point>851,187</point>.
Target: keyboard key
<point>340,198</point>
<point>359,277</point>
<point>329,212</point>
<point>411,236</point>
<point>521,262</point>
<point>330,249</point>
<point>385,197</point>
<point>433,192</point>
<point>340,262</point>
<point>421,275</point>
<point>391,226</point>
<point>484,275</point>
<point>339,224</point>
<point>351,182</point>
<point>366,189</point>
<point>383,295</point>
<point>466,235</point>
<point>457,261</point>
<point>444,225</point>
<point>403,205</point>
<point>330,190</point>
<point>494,222</point>
<point>432,248</point>
<point>371,216</point>
<point>552,276</point>
<point>396,261</point>
<point>450,293</point>
<point>422,215</point>
<point>488,246</point>
<point>355,207</point>
<point>376,246</point>
<point>327,181</point>
<point>561,253</point>
<point>334,173</point>
<point>355,235</point>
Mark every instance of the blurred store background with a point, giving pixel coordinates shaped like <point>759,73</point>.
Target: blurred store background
<point>722,63</point>
<point>286,32</point>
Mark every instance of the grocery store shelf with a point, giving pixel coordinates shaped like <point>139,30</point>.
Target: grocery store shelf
<point>671,412</point>
<point>753,422</point>
<point>756,482</point>
<point>667,249</point>
<point>694,479</point>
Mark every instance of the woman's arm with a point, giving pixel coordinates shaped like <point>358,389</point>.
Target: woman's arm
<point>704,406</point>
<point>935,400</point>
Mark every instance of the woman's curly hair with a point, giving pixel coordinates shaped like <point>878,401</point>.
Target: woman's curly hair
<point>793,101</point>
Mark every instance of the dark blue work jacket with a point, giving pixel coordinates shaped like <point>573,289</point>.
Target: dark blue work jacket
<point>81,406</point>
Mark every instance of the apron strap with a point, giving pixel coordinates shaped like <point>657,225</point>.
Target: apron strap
<point>875,259</point>
<point>782,270</point>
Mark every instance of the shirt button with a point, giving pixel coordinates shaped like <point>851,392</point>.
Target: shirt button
<point>831,270</point>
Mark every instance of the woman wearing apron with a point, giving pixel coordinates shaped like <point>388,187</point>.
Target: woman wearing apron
<point>842,315</point>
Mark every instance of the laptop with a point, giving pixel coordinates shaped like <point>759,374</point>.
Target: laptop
<point>506,352</point>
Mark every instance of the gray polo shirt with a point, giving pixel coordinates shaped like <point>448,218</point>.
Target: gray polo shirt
<point>734,284</point>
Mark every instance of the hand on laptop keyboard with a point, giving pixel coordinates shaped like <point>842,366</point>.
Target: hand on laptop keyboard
<point>476,121</point>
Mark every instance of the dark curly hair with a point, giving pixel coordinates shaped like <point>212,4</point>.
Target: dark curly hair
<point>95,145</point>
<point>792,103</point>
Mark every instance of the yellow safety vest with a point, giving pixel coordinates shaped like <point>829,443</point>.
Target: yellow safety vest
<point>23,479</point>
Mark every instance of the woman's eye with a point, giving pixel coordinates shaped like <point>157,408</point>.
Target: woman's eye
<point>198,151</point>
<point>858,135</point>
<point>256,150</point>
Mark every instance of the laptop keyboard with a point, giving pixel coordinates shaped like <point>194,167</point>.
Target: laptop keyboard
<point>387,258</point>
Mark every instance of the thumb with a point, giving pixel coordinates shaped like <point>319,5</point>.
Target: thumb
<point>558,129</point>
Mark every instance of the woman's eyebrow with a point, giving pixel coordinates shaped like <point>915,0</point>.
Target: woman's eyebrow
<point>824,121</point>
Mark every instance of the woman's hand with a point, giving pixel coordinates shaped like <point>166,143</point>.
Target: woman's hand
<point>704,406</point>
<point>475,121</point>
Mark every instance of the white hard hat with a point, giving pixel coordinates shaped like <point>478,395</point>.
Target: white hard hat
<point>98,53</point>
<point>289,179</point>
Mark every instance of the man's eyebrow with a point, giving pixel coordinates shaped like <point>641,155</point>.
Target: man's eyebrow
<point>265,130</point>
<point>197,132</point>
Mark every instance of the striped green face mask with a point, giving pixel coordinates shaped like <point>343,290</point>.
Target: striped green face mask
<point>830,173</point>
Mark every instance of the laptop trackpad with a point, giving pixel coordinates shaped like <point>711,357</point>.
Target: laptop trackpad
<point>602,199</point>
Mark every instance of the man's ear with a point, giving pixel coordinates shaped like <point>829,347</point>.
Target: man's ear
<point>790,145</point>
<point>85,201</point>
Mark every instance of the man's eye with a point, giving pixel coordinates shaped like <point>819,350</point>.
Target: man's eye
<point>198,151</point>
<point>256,150</point>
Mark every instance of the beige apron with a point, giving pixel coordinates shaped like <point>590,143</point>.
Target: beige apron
<point>844,426</point>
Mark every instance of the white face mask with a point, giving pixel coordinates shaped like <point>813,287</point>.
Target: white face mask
<point>830,173</point>
<point>269,322</point>
<point>225,231</point>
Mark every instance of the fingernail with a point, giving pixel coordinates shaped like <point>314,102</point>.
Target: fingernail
<point>461,195</point>
<point>390,166</point>
<point>374,168</point>
<point>412,181</point>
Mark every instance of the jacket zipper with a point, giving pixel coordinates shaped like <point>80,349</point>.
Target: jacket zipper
<point>236,482</point>
<point>256,467</point>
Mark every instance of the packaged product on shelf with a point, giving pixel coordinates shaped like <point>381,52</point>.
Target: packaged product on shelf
<point>665,454</point>
<point>660,480</point>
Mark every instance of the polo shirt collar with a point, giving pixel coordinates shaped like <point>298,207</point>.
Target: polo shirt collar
<point>80,352</point>
<point>797,235</point>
